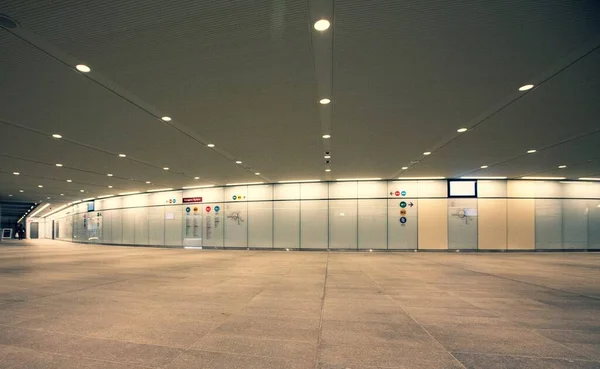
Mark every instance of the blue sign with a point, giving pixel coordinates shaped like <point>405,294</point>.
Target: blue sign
<point>403,220</point>
<point>174,201</point>
<point>187,210</point>
<point>403,193</point>
<point>217,208</point>
<point>403,204</point>
<point>234,197</point>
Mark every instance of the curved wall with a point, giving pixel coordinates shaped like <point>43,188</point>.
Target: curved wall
<point>377,215</point>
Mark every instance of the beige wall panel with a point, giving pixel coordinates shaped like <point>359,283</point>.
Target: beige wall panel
<point>492,224</point>
<point>521,224</point>
<point>433,224</point>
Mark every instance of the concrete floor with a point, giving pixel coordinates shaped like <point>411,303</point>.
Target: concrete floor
<point>67,306</point>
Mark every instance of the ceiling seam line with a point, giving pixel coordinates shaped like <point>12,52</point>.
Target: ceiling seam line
<point>506,105</point>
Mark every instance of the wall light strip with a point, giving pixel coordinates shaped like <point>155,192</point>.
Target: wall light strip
<point>160,189</point>
<point>301,180</point>
<point>424,178</point>
<point>55,211</point>
<point>129,193</point>
<point>38,210</point>
<point>76,202</point>
<point>589,179</point>
<point>544,178</point>
<point>105,196</point>
<point>243,184</point>
<point>204,186</point>
<point>358,179</point>
<point>88,199</point>
<point>490,177</point>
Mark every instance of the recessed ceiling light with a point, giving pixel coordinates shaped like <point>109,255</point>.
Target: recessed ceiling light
<point>9,195</point>
<point>48,197</point>
<point>122,155</point>
<point>196,177</point>
<point>59,165</point>
<point>461,130</point>
<point>81,190</point>
<point>68,180</point>
<point>238,162</point>
<point>56,135</point>
<point>531,151</point>
<point>166,168</point>
<point>166,119</point>
<point>211,145</point>
<point>404,168</point>
<point>62,194</point>
<point>109,174</point>
<point>40,186</point>
<point>109,186</point>
<point>148,182</point>
<point>21,191</point>
<point>257,173</point>
<point>328,170</point>
<point>525,88</point>
<point>322,25</point>
<point>324,101</point>
<point>483,166</point>
<point>427,153</point>
<point>326,136</point>
<point>327,156</point>
<point>83,68</point>
<point>562,166</point>
<point>16,173</point>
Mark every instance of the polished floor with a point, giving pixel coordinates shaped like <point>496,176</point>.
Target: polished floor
<point>67,306</point>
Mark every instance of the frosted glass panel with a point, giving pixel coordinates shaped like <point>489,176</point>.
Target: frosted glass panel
<point>213,225</point>
<point>462,224</point>
<point>260,224</point>
<point>286,191</point>
<point>343,189</point>
<point>141,226</point>
<point>594,225</point>
<point>314,190</point>
<point>173,225</point>
<point>313,224</point>
<point>548,224</point>
<point>236,224</point>
<point>156,225</point>
<point>575,224</point>
<point>368,189</point>
<point>402,224</point>
<point>286,224</point>
<point>128,226</point>
<point>263,192</point>
<point>372,224</point>
<point>342,224</point>
<point>116,226</point>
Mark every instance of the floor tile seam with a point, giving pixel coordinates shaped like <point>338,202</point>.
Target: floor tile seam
<point>242,354</point>
<point>532,330</point>
<point>186,350</point>
<point>415,321</point>
<point>323,296</point>
<point>516,280</point>
<point>260,338</point>
<point>522,356</point>
<point>79,357</point>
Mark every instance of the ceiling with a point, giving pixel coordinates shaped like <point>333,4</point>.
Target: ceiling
<point>247,76</point>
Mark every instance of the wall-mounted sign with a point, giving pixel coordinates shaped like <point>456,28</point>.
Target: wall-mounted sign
<point>192,199</point>
<point>402,220</point>
<point>217,208</point>
<point>208,209</point>
<point>403,193</point>
<point>403,204</point>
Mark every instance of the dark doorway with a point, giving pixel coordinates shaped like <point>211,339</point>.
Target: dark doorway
<point>34,230</point>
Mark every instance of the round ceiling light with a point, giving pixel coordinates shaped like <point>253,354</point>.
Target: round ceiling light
<point>68,180</point>
<point>562,166</point>
<point>83,68</point>
<point>526,87</point>
<point>59,165</point>
<point>109,174</point>
<point>257,173</point>
<point>196,177</point>
<point>122,155</point>
<point>324,101</point>
<point>148,182</point>
<point>211,145</point>
<point>326,136</point>
<point>461,130</point>
<point>427,153</point>
<point>16,173</point>
<point>404,168</point>
<point>166,119</point>
<point>531,151</point>
<point>328,170</point>
<point>322,25</point>
<point>166,168</point>
<point>56,135</point>
<point>238,162</point>
<point>40,186</point>
<point>483,166</point>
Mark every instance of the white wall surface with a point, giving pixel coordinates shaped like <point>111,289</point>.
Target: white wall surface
<point>343,215</point>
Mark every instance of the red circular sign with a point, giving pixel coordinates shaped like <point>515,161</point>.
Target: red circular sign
<point>397,193</point>
<point>208,209</point>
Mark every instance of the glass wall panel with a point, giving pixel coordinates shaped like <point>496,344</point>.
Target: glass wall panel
<point>594,225</point>
<point>548,224</point>
<point>462,224</point>
<point>260,224</point>
<point>286,224</point>
<point>156,225</point>
<point>314,224</point>
<point>403,226</point>
<point>575,224</point>
<point>342,224</point>
<point>372,224</point>
<point>174,225</point>
<point>236,224</point>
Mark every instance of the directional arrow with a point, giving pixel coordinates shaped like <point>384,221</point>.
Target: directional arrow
<point>391,193</point>
<point>410,204</point>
